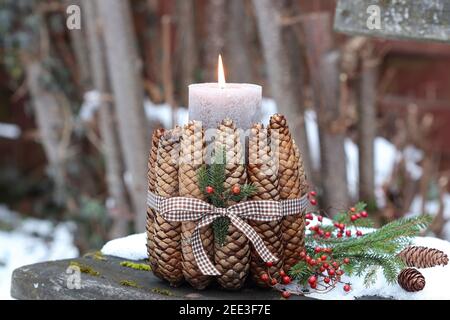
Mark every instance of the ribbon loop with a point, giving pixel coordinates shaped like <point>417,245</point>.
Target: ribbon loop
<point>190,209</point>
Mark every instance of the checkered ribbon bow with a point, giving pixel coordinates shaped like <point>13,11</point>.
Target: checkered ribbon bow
<point>190,209</point>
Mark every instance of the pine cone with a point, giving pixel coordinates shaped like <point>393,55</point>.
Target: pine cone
<point>411,280</point>
<point>233,257</point>
<point>151,175</point>
<point>262,172</point>
<point>192,156</point>
<point>292,185</point>
<point>423,257</point>
<point>168,234</point>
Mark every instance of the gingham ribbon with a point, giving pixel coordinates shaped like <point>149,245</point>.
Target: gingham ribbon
<point>190,209</point>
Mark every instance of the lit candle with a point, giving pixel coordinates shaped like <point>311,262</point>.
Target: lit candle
<point>210,103</point>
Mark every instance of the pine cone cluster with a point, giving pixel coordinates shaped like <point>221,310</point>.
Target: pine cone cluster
<point>273,164</point>
<point>411,280</point>
<point>423,257</point>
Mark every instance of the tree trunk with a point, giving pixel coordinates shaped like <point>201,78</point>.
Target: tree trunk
<point>79,46</point>
<point>283,78</point>
<point>111,146</point>
<point>238,42</point>
<point>124,69</point>
<point>187,42</point>
<point>332,137</point>
<point>323,64</point>
<point>50,121</point>
<point>367,127</point>
<point>215,39</point>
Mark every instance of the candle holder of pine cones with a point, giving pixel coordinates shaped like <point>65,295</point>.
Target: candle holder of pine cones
<point>274,170</point>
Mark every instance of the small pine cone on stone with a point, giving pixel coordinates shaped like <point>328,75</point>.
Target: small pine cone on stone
<point>291,184</point>
<point>411,280</point>
<point>151,175</point>
<point>423,257</point>
<point>167,234</point>
<point>232,259</point>
<point>263,173</point>
<point>192,157</point>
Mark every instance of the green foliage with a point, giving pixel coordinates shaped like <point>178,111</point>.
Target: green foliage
<point>345,217</point>
<point>214,175</point>
<point>84,268</point>
<point>369,253</point>
<point>136,266</point>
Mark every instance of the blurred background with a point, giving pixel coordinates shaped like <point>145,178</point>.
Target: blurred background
<point>80,98</point>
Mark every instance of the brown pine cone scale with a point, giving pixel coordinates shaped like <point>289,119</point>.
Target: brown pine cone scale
<point>411,280</point>
<point>167,234</point>
<point>423,257</point>
<point>291,184</point>
<point>232,259</point>
<point>191,159</point>
<point>262,172</point>
<point>151,175</point>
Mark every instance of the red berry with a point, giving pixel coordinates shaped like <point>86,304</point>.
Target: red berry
<point>341,226</point>
<point>339,235</point>
<point>320,232</point>
<point>326,265</point>
<point>313,202</point>
<point>286,280</point>
<point>347,288</point>
<point>323,257</point>
<point>236,190</point>
<point>346,260</point>
<point>335,264</point>
<point>286,294</point>
<point>327,234</point>
<point>364,214</point>
<point>273,281</point>
<point>336,224</point>
<point>309,216</point>
<point>348,233</point>
<point>302,255</point>
<point>317,249</point>
<point>353,217</point>
<point>326,280</point>
<point>322,269</point>
<point>331,272</point>
<point>352,209</point>
<point>320,218</point>
<point>209,190</point>
<point>359,233</point>
<point>313,262</point>
<point>282,273</point>
<point>313,285</point>
<point>328,250</point>
<point>264,277</point>
<point>313,193</point>
<point>269,264</point>
<point>312,279</point>
<point>340,272</point>
<point>358,215</point>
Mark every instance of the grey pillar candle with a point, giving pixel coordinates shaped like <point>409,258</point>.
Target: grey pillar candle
<point>210,103</point>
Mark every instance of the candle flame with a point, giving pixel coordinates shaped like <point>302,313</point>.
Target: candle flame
<point>221,81</point>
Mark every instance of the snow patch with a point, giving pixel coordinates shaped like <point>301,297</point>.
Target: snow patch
<point>9,131</point>
<point>31,242</point>
<point>437,278</point>
<point>132,247</point>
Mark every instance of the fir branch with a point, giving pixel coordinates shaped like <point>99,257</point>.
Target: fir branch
<point>399,231</point>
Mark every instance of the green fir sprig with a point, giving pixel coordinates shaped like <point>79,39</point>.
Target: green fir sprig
<point>366,254</point>
<point>211,180</point>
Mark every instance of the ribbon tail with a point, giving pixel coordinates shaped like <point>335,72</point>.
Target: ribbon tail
<point>254,238</point>
<point>203,262</point>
